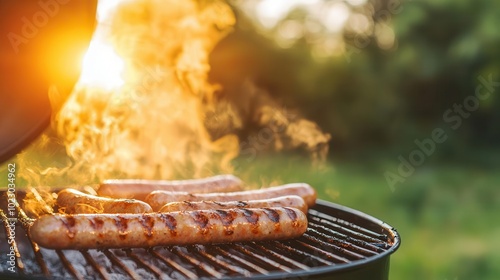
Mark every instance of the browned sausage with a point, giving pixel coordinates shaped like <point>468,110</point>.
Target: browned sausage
<point>293,201</point>
<point>75,202</point>
<point>159,198</point>
<point>84,231</point>
<point>139,189</point>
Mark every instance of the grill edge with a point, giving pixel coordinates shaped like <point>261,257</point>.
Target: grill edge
<point>340,242</point>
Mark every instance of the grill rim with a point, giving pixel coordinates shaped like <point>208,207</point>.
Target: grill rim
<point>326,207</point>
<point>354,218</point>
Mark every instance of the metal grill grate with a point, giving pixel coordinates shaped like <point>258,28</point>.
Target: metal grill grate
<point>335,240</point>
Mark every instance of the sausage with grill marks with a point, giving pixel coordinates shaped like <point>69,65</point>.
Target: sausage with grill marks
<point>139,189</point>
<point>159,198</point>
<point>293,201</point>
<point>97,231</point>
<point>76,202</point>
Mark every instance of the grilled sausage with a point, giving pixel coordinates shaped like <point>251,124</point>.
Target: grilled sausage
<point>87,231</point>
<point>139,189</point>
<point>159,198</point>
<point>281,201</point>
<point>76,202</point>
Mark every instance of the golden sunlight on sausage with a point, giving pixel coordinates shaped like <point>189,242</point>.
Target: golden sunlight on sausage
<point>87,231</point>
<point>75,202</point>
<point>139,189</point>
<point>158,199</point>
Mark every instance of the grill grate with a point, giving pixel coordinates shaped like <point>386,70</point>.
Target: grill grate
<point>331,242</point>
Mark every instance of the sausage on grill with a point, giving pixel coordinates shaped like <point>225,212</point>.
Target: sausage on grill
<point>76,202</point>
<point>87,231</point>
<point>293,201</point>
<point>139,189</point>
<point>159,198</point>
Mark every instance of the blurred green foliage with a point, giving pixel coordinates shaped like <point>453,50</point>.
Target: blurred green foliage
<point>368,97</point>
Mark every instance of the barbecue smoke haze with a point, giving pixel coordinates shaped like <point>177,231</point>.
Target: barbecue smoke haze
<point>142,106</point>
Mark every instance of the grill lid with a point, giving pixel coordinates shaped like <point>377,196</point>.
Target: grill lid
<point>42,42</point>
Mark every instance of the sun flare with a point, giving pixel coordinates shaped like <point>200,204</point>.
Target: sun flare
<point>102,67</point>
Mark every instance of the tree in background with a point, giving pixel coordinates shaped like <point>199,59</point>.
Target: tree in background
<point>370,73</point>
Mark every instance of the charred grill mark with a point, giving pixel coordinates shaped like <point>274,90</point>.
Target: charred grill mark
<point>122,225</point>
<point>272,215</point>
<point>227,217</point>
<point>147,223</point>
<point>292,214</point>
<point>170,222</point>
<point>214,215</point>
<point>241,204</point>
<point>200,219</point>
<point>188,203</point>
<point>69,222</point>
<point>96,223</point>
<point>218,203</point>
<point>250,216</point>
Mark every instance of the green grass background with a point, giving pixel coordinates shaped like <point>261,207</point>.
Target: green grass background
<point>447,213</point>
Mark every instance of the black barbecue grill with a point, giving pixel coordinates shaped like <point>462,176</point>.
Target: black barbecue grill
<point>339,242</point>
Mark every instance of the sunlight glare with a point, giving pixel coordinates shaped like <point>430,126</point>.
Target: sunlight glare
<point>336,16</point>
<point>104,8</point>
<point>270,12</point>
<point>102,67</point>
